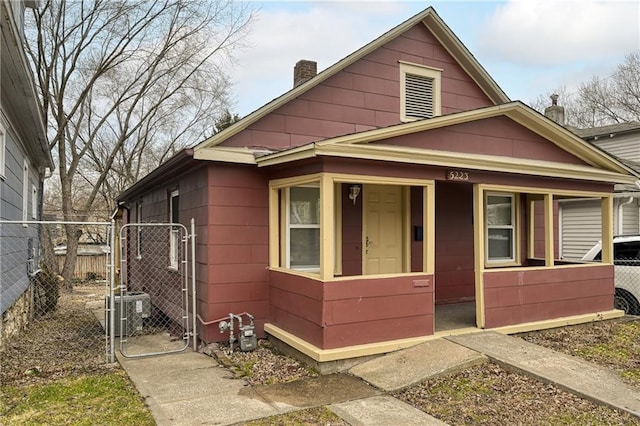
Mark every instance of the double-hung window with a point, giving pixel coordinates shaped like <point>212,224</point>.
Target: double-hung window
<point>500,224</point>
<point>303,228</point>
<point>174,239</point>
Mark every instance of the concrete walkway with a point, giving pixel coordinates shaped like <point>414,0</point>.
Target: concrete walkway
<point>580,377</point>
<point>193,389</point>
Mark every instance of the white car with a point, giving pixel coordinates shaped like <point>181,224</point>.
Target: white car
<point>626,261</point>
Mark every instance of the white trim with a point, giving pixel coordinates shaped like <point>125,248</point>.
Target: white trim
<point>3,149</point>
<point>34,202</point>
<point>25,189</point>
<point>139,230</point>
<point>289,226</point>
<point>511,227</point>
<point>174,234</point>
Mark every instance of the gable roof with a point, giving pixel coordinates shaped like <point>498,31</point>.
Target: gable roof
<point>429,18</point>
<point>600,165</point>
<point>608,131</point>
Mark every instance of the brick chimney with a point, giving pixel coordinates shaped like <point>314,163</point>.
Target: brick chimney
<point>303,71</point>
<point>555,112</point>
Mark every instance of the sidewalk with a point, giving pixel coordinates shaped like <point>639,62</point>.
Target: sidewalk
<point>192,389</point>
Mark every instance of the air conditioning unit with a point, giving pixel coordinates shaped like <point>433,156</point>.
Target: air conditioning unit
<point>130,312</point>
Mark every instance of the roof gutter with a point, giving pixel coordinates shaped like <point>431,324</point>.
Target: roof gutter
<point>175,165</point>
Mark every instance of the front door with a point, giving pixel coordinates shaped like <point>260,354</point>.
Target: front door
<point>383,242</point>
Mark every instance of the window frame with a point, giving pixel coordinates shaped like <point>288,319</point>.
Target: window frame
<point>139,230</point>
<point>174,231</point>
<point>513,227</point>
<point>25,190</point>
<point>34,201</point>
<point>434,74</point>
<point>288,226</point>
<point>3,148</point>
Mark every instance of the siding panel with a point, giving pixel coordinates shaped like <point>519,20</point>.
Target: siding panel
<point>581,227</point>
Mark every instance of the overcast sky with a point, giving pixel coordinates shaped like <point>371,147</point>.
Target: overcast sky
<point>529,47</point>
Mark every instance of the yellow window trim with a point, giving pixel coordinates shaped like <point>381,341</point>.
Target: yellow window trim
<point>331,256</point>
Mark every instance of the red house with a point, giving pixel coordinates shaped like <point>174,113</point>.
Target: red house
<point>400,182</point>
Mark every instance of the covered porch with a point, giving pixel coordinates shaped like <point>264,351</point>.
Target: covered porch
<point>371,262</point>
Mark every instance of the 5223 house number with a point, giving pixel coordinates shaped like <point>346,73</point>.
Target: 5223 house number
<point>457,175</point>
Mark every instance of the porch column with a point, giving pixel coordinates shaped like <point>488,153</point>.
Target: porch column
<point>429,229</point>
<point>548,230</point>
<point>606,204</point>
<point>479,252</point>
<point>327,245</point>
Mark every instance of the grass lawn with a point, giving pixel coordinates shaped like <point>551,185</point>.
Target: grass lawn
<point>99,399</point>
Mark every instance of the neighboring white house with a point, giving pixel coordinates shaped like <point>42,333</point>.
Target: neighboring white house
<point>579,221</point>
<point>24,158</point>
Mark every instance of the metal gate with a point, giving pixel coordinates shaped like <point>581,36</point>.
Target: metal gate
<point>153,299</point>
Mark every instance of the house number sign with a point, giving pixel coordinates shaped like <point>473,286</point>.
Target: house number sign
<point>457,175</point>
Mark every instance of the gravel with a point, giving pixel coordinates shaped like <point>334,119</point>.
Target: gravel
<point>263,366</point>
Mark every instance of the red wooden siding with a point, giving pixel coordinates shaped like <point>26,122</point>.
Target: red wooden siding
<point>237,248</point>
<point>154,261</point>
<point>363,96</point>
<point>513,297</point>
<point>351,234</point>
<point>538,222</point>
<point>454,243</point>
<point>345,313</point>
<point>367,310</point>
<point>416,221</point>
<point>491,136</point>
<point>297,306</point>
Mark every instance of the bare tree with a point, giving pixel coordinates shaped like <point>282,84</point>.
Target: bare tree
<point>602,100</point>
<point>124,84</point>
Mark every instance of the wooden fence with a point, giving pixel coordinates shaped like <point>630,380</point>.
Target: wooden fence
<point>88,267</point>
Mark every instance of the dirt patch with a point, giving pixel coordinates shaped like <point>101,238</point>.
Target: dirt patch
<point>614,344</point>
<point>489,395</point>
<point>67,341</point>
<point>263,366</point>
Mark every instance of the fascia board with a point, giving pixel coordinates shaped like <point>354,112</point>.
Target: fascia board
<point>473,161</point>
<point>226,155</point>
<point>566,140</point>
<point>465,59</point>
<point>299,153</point>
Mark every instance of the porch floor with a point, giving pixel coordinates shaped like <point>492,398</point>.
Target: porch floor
<point>455,315</point>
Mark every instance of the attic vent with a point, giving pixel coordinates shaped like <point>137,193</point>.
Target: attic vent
<point>418,96</point>
<point>419,91</point>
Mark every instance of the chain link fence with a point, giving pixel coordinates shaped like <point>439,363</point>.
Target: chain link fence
<point>54,277</point>
<point>73,293</point>
<point>153,298</point>
<point>627,283</point>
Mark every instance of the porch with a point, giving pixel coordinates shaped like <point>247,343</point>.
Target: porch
<point>369,261</point>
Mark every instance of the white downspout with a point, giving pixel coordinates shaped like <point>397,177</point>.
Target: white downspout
<point>620,230</point>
